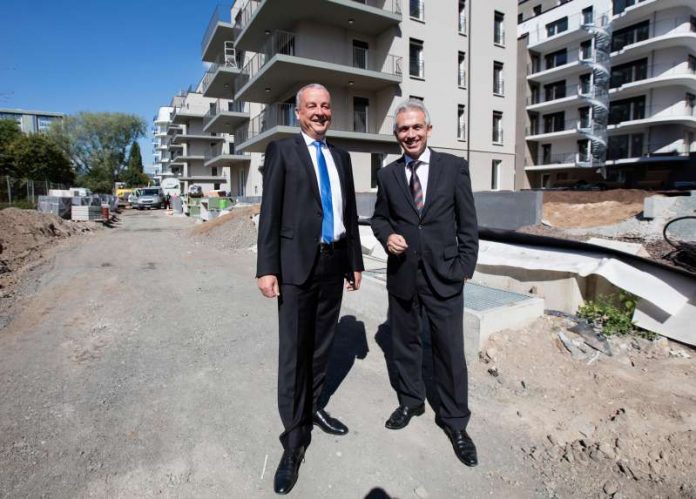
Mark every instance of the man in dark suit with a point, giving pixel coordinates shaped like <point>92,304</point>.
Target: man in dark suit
<point>425,219</point>
<point>308,243</point>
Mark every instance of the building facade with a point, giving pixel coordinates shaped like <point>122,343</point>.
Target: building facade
<point>609,94</point>
<point>370,54</point>
<point>31,121</point>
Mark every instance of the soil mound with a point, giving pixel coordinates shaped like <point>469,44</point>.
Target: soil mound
<point>234,230</point>
<point>594,208</point>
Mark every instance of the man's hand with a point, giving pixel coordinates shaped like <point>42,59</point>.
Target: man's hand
<point>354,285</point>
<point>268,284</point>
<point>396,244</point>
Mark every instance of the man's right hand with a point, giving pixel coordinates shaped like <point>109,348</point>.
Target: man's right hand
<point>396,244</point>
<point>268,284</point>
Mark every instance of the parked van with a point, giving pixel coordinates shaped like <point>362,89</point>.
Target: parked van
<point>150,197</point>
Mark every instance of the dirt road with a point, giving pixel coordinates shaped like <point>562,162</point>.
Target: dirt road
<point>142,363</point>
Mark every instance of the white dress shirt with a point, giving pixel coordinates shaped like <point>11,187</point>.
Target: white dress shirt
<point>336,194</point>
<point>422,170</point>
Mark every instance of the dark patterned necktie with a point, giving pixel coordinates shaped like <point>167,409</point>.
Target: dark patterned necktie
<point>415,185</point>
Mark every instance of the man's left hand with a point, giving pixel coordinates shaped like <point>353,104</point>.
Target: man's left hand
<point>354,285</point>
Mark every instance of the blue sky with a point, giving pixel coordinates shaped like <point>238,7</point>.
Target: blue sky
<point>76,55</point>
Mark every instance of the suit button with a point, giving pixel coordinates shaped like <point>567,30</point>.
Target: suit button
<point>420,226</point>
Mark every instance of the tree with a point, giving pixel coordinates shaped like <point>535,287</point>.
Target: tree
<point>9,132</point>
<point>38,158</point>
<point>97,144</point>
<point>134,175</point>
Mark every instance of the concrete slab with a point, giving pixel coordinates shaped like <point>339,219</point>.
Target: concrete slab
<point>486,310</point>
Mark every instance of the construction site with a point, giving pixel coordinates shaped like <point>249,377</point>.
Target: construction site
<point>138,359</point>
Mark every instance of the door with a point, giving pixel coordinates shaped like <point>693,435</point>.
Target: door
<point>360,117</point>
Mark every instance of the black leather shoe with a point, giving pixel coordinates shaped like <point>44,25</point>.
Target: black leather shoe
<point>288,470</point>
<point>330,425</point>
<point>463,446</point>
<point>402,415</point>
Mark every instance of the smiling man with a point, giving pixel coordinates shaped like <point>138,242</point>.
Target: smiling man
<point>308,243</point>
<point>425,219</point>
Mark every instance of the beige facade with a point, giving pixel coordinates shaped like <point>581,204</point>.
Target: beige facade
<point>370,55</point>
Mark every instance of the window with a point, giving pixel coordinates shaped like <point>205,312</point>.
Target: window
<point>360,115</point>
<point>555,59</point>
<point>693,23</point>
<point>537,10</point>
<point>415,54</point>
<point>587,15</point>
<point>557,27</point>
<point>533,124</point>
<point>415,97</point>
<point>495,174</point>
<point>214,171</point>
<point>586,50</point>
<point>586,83</point>
<point>629,35</point>
<point>629,72</point>
<point>497,127</point>
<point>690,103</point>
<point>43,123</point>
<point>216,186</point>
<point>584,150</point>
<point>360,51</point>
<point>376,161</point>
<point>461,76</point>
<point>462,17</point>
<point>627,110</point>
<point>625,146</point>
<point>498,80</point>
<point>416,9</point>
<point>555,90</point>
<point>621,5</point>
<point>241,183</point>
<point>499,28</point>
<point>554,122</point>
<point>692,63</point>
<point>461,122</point>
<point>585,121</point>
<point>546,154</point>
<point>534,89</point>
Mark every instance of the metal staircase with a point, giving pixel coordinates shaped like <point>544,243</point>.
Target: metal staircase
<point>596,94</point>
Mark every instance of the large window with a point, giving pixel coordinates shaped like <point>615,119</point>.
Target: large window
<point>629,72</point>
<point>461,122</point>
<point>625,146</point>
<point>416,9</point>
<point>554,122</point>
<point>497,127</point>
<point>499,28</point>
<point>558,58</point>
<point>627,110</point>
<point>621,5</point>
<point>498,78</point>
<point>584,150</point>
<point>461,76</point>
<point>555,90</point>
<point>629,35</point>
<point>586,50</point>
<point>557,27</point>
<point>416,63</point>
<point>360,52</point>
<point>585,117</point>
<point>360,114</point>
<point>495,174</point>
<point>462,17</point>
<point>587,15</point>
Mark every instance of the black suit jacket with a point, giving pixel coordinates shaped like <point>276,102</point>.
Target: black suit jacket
<point>444,236</point>
<point>291,212</point>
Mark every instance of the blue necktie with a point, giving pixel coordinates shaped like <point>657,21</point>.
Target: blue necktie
<point>327,225</point>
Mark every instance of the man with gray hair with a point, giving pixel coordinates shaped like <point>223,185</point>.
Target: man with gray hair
<point>425,219</point>
<point>308,243</point>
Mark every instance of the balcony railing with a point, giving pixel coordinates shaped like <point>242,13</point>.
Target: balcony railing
<point>221,149</point>
<point>541,32</point>
<point>221,61</point>
<point>283,42</point>
<point>283,114</point>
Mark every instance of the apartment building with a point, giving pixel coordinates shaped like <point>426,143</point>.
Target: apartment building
<point>30,121</point>
<point>370,54</point>
<point>609,94</point>
<point>160,149</point>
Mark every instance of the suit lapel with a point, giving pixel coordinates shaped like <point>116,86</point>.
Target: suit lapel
<point>400,174</point>
<point>306,160</point>
<point>433,177</point>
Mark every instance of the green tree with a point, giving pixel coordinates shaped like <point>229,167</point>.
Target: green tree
<point>9,132</point>
<point>97,144</point>
<point>38,158</point>
<point>134,175</point>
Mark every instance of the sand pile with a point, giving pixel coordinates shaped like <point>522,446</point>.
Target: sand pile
<point>592,209</point>
<point>235,230</point>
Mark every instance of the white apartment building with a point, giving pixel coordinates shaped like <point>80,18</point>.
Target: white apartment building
<point>609,94</point>
<point>456,55</point>
<point>160,150</point>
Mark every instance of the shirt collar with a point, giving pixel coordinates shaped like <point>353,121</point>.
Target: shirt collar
<point>425,157</point>
<point>309,140</point>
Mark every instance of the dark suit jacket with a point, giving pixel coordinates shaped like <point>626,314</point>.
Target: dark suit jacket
<point>444,236</point>
<point>291,212</point>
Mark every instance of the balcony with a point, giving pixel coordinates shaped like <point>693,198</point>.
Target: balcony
<point>650,116</point>
<point>219,31</point>
<point>354,133</point>
<point>260,17</point>
<point>666,33</point>
<point>225,155</point>
<point>225,116</point>
<point>651,152</point>
<point>544,39</point>
<point>627,15</point>
<point>565,129</point>
<point>267,77</point>
<point>219,80</point>
<point>183,137</point>
<point>181,115</point>
<point>554,161</point>
<point>655,76</point>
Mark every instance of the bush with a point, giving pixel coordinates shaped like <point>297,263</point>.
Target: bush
<point>613,314</point>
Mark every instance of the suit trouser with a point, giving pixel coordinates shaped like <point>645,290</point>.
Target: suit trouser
<point>307,316</point>
<point>445,319</point>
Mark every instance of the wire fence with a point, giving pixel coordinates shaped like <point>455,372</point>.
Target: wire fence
<point>23,191</point>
